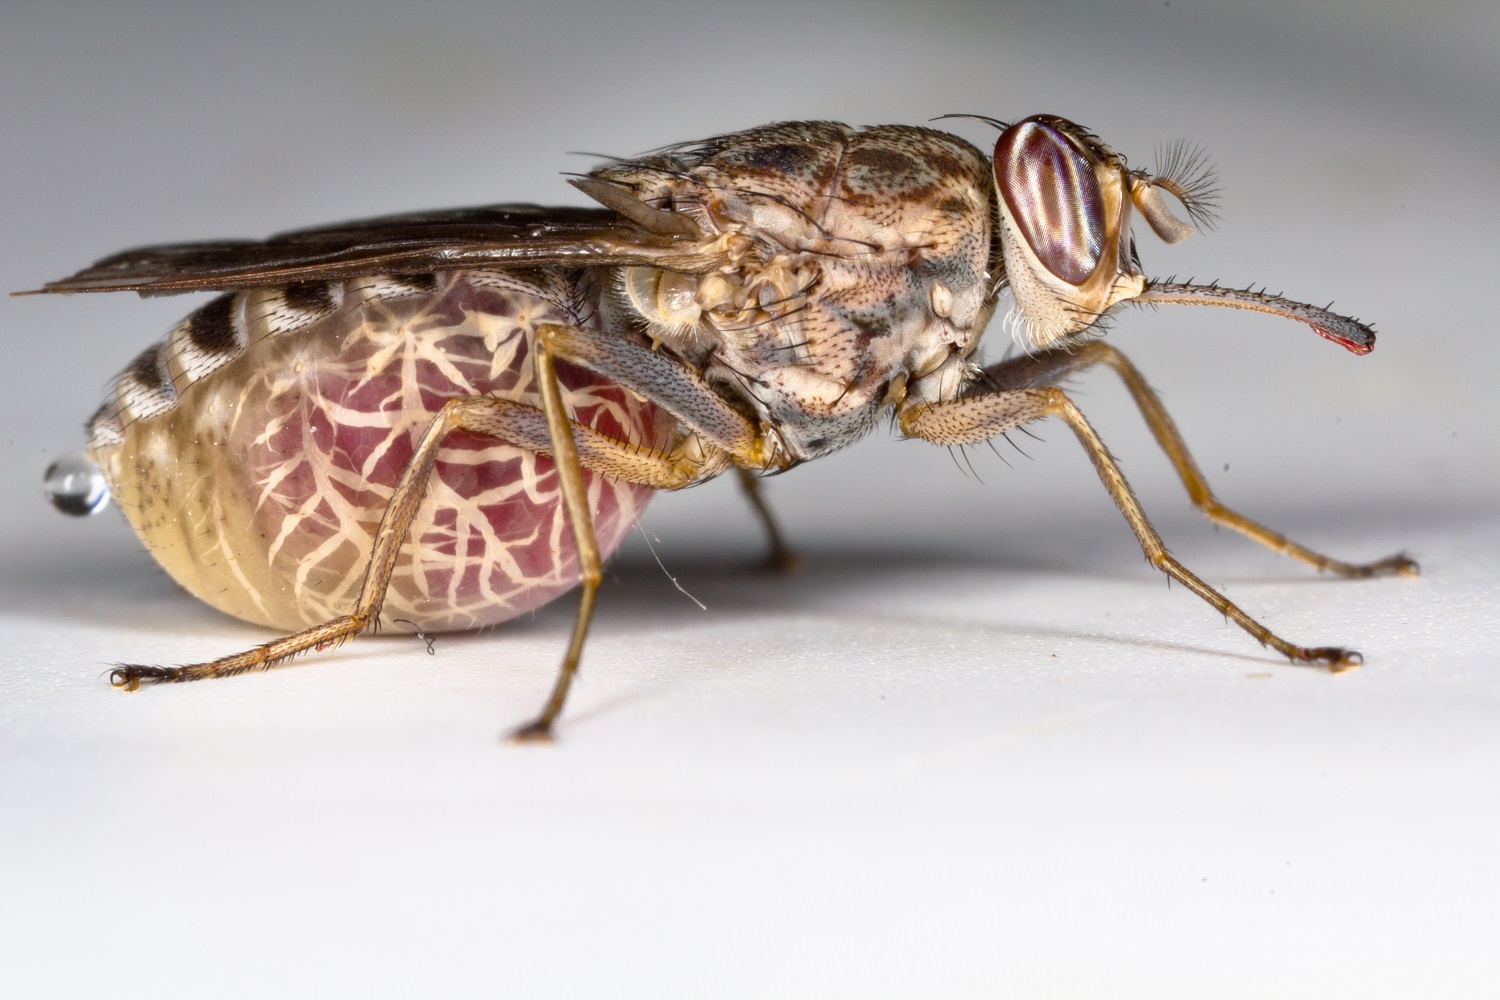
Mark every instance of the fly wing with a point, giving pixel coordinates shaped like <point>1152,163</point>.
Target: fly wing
<point>488,237</point>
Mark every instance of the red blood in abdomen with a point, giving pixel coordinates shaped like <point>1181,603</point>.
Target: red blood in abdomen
<point>330,427</point>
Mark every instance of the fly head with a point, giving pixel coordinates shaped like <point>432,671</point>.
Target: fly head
<point>1065,200</point>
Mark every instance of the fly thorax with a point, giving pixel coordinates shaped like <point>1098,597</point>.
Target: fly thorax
<point>859,257</point>
<point>695,314</point>
<point>940,380</point>
<point>666,306</point>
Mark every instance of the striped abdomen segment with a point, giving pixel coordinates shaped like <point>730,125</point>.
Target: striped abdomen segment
<point>255,449</point>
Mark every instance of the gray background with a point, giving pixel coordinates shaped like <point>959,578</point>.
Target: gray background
<point>978,747</point>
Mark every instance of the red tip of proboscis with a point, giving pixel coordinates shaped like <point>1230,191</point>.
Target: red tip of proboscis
<point>1353,346</point>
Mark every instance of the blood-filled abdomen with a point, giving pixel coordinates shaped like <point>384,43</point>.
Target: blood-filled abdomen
<point>256,449</point>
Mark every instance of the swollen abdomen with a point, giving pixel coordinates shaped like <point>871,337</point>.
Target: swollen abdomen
<point>255,450</point>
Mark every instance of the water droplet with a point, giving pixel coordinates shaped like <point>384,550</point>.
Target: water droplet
<point>75,485</point>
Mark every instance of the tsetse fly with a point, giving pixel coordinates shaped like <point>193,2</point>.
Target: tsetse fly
<point>449,418</point>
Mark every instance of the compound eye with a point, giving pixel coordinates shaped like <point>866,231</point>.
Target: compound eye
<point>1052,193</point>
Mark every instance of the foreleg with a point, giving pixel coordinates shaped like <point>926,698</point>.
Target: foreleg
<point>1051,366</point>
<point>977,418</point>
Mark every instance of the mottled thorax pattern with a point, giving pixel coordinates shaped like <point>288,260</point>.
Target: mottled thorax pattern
<point>858,258</point>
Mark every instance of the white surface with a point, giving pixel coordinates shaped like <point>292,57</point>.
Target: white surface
<point>978,748</point>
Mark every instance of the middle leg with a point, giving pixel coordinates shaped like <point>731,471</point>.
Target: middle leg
<point>780,558</point>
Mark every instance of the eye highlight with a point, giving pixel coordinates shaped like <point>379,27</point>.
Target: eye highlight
<point>1053,195</point>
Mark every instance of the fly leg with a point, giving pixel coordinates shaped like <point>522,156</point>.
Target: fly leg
<point>717,435</point>
<point>1050,366</point>
<point>570,477</point>
<point>780,558</point>
<point>566,448</point>
<point>692,401</point>
<point>681,392</point>
<point>980,417</point>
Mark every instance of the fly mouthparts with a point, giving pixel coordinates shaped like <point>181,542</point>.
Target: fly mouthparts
<point>1346,331</point>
